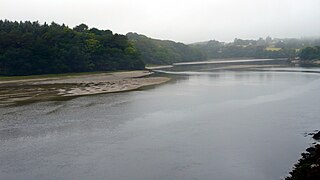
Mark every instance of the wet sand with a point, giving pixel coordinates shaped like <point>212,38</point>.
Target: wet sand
<point>23,90</point>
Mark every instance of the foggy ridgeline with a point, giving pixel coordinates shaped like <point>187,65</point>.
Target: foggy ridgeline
<point>154,51</point>
<point>28,48</point>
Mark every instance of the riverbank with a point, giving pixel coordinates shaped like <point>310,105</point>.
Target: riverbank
<point>307,63</point>
<point>26,89</point>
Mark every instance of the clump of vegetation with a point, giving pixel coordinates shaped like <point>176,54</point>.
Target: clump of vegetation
<point>29,48</point>
<point>308,167</point>
<point>310,53</point>
<point>316,136</point>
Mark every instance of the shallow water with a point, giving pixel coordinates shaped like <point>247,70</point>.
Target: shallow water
<point>224,125</point>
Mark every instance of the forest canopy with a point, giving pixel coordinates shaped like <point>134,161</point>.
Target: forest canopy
<point>28,48</point>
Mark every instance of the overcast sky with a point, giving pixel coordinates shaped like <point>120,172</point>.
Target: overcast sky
<point>180,20</point>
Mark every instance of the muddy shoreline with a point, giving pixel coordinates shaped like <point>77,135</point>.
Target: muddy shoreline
<point>38,89</point>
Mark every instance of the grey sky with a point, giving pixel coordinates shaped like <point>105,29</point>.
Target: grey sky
<point>180,20</point>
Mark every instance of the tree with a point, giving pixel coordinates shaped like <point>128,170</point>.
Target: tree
<point>81,28</point>
<point>310,53</point>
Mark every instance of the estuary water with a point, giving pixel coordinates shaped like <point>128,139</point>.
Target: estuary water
<point>224,125</point>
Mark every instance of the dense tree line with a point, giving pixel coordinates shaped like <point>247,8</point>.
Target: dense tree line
<point>260,48</point>
<point>310,53</point>
<point>31,48</point>
<point>215,49</point>
<point>155,51</point>
<point>242,48</point>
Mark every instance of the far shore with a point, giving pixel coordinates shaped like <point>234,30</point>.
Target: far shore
<point>24,89</point>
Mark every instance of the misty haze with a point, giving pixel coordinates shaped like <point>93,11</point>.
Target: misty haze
<point>206,89</point>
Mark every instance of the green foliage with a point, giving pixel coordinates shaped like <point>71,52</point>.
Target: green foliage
<point>310,53</point>
<point>164,52</point>
<point>28,48</point>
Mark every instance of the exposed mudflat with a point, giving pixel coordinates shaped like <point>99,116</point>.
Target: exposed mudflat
<point>34,89</point>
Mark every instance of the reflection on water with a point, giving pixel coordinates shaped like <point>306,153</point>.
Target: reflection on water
<point>210,125</point>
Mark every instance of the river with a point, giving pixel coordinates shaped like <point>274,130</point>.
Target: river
<point>224,125</point>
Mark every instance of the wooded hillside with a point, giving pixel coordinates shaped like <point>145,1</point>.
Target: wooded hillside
<point>28,48</point>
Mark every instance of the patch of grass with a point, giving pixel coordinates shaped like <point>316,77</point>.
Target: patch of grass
<point>273,49</point>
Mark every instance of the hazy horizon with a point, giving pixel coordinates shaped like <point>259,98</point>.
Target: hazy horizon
<point>183,21</point>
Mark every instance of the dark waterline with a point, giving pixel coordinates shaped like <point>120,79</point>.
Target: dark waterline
<point>225,125</point>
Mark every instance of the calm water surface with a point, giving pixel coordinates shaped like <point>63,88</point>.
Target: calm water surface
<point>226,126</point>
